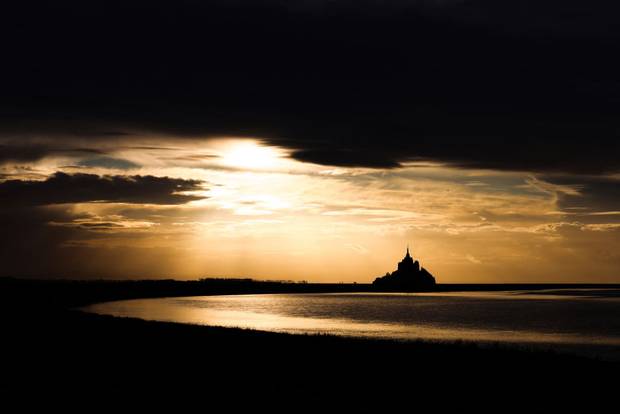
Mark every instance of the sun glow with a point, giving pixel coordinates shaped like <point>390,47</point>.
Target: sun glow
<point>250,155</point>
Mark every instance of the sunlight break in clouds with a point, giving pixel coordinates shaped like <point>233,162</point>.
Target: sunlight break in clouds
<point>234,207</point>
<point>249,155</point>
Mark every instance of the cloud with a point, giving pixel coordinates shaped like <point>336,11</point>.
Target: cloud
<point>62,188</point>
<point>472,259</point>
<point>108,162</point>
<point>22,153</point>
<point>19,152</point>
<point>594,195</point>
<point>510,151</point>
<point>340,83</point>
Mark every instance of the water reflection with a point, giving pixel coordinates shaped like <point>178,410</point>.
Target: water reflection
<point>576,317</point>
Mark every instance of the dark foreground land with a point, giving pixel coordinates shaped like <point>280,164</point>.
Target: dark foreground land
<point>47,344</point>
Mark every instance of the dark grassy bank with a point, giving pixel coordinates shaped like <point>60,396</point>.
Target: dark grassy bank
<point>46,344</point>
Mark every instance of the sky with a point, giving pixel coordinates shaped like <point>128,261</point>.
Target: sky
<point>310,140</point>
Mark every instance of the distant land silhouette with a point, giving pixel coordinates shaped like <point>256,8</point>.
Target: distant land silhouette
<point>408,277</point>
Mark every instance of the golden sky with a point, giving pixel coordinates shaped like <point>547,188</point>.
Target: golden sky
<point>311,140</point>
<point>256,212</point>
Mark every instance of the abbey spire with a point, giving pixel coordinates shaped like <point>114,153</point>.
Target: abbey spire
<point>409,276</point>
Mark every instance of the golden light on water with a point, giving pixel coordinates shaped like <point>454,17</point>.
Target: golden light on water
<point>415,316</point>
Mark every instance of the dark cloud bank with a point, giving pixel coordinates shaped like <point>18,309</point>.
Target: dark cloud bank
<point>510,85</point>
<point>62,188</point>
<point>30,246</point>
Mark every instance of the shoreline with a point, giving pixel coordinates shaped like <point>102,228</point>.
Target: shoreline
<point>55,345</point>
<point>599,352</point>
<point>587,346</point>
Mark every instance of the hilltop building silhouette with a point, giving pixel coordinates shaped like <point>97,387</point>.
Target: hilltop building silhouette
<point>408,277</point>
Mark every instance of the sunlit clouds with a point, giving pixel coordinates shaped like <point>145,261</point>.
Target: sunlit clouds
<point>238,207</point>
<point>310,142</point>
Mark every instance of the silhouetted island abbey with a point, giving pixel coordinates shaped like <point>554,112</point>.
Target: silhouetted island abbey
<point>408,277</point>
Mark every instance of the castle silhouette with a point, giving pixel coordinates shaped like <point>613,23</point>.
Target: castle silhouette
<point>408,277</point>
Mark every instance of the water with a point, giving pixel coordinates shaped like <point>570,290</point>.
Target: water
<point>585,321</point>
